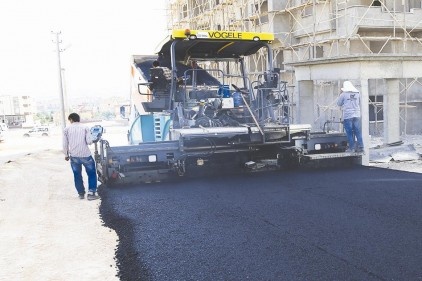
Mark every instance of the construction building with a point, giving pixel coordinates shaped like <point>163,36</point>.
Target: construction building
<point>377,45</point>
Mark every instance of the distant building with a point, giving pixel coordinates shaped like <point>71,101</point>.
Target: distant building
<point>21,111</point>
<point>17,110</point>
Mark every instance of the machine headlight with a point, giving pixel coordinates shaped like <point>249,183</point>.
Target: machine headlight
<point>152,158</point>
<point>317,146</point>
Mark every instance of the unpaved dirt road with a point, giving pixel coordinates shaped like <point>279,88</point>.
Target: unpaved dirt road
<point>46,232</point>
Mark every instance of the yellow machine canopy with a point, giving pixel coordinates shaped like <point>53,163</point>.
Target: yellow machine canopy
<point>213,44</point>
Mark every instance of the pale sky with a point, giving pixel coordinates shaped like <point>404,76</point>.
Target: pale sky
<point>99,36</point>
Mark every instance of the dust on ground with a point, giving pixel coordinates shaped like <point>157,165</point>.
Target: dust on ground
<point>47,233</point>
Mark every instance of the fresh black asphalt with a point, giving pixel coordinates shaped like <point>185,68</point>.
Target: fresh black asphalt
<point>359,223</point>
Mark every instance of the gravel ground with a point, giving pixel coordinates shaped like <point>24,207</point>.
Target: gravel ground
<point>46,232</point>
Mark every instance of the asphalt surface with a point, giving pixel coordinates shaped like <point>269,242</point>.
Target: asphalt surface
<point>358,223</point>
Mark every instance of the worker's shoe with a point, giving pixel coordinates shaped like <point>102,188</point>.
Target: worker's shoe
<point>349,150</point>
<point>360,150</point>
<point>81,195</point>
<point>92,196</point>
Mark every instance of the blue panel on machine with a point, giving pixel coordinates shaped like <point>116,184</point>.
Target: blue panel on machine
<point>154,127</point>
<point>149,128</point>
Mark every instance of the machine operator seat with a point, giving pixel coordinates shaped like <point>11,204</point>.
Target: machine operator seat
<point>160,87</point>
<point>161,81</point>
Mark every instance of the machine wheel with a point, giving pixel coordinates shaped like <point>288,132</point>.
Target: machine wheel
<point>289,159</point>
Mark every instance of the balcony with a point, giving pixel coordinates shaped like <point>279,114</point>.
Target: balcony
<point>363,17</point>
<point>352,19</point>
<point>308,26</point>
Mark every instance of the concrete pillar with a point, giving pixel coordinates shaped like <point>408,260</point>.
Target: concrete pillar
<point>392,111</point>
<point>364,109</point>
<point>305,109</point>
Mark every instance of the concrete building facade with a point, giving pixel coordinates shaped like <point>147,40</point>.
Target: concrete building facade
<point>377,45</point>
<point>16,110</point>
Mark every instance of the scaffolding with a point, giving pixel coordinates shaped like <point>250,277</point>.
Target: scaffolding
<point>311,31</point>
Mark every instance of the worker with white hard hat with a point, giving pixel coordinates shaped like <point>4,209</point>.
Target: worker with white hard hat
<point>349,100</point>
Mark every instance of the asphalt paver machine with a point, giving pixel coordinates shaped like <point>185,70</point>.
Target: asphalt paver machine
<point>200,111</point>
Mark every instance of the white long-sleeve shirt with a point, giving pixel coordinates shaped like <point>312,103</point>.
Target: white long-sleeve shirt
<point>76,138</point>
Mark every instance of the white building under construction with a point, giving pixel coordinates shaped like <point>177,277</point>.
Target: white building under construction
<point>377,45</point>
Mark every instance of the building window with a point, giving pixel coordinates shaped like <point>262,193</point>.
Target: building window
<point>184,11</point>
<point>414,4</point>
<point>319,52</point>
<point>264,10</point>
<point>380,47</point>
<point>307,11</point>
<point>263,19</point>
<point>279,60</point>
<point>376,108</point>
